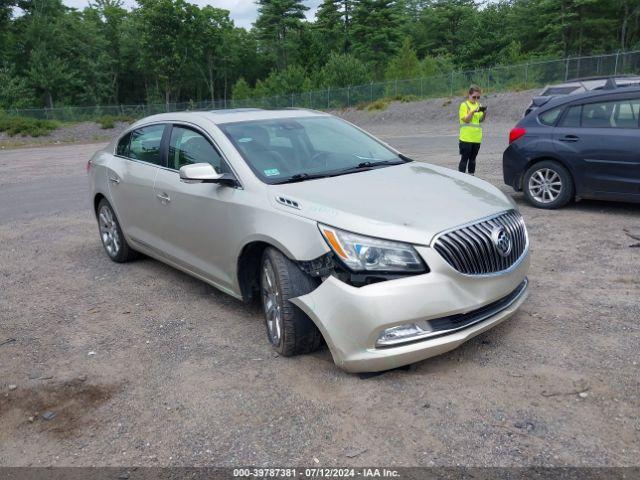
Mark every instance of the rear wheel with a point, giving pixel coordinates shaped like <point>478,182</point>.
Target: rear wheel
<point>111,235</point>
<point>289,329</point>
<point>548,184</point>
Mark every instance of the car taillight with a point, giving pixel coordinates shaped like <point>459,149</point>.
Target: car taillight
<point>516,133</point>
<point>88,166</point>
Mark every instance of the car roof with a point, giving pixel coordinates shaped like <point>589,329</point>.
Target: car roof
<point>232,115</point>
<point>560,100</point>
<point>593,82</point>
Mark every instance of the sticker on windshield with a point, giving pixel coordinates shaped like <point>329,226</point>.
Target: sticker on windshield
<point>272,172</point>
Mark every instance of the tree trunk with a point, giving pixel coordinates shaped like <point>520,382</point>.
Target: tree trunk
<point>166,97</point>
<point>211,83</point>
<point>623,30</point>
<point>48,99</point>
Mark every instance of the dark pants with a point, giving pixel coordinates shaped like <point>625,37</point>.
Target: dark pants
<point>468,154</point>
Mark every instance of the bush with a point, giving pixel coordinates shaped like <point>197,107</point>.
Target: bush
<point>26,126</point>
<point>109,121</point>
<point>378,105</point>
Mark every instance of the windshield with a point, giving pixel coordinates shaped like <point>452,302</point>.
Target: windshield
<point>297,149</point>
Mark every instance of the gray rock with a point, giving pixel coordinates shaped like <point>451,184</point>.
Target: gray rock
<point>48,415</point>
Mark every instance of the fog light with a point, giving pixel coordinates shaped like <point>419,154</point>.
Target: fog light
<point>403,333</point>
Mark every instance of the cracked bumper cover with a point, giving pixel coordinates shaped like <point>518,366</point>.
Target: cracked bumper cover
<point>351,318</point>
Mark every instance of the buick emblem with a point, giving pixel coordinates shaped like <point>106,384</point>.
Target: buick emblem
<point>502,241</point>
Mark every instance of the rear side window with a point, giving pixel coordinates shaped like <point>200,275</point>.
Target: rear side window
<point>572,117</point>
<point>123,146</point>
<point>549,117</point>
<point>187,147</point>
<point>145,144</point>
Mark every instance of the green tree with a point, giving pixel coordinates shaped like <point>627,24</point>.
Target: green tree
<point>277,23</point>
<point>167,36</point>
<point>376,32</point>
<point>343,70</point>
<point>241,90</point>
<point>404,64</point>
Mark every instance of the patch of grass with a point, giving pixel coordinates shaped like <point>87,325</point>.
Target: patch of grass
<point>381,104</point>
<point>109,121</point>
<point>26,126</point>
<point>405,98</point>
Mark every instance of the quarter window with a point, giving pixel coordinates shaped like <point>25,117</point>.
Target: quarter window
<point>145,144</point>
<point>123,146</point>
<point>550,117</point>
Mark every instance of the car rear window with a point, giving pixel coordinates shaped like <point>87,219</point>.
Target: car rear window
<point>560,90</point>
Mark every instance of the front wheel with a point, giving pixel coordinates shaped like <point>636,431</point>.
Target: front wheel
<point>548,184</point>
<point>289,329</point>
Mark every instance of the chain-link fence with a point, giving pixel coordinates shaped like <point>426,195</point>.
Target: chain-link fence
<point>533,74</point>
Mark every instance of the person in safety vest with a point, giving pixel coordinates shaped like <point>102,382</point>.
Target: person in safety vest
<point>471,115</point>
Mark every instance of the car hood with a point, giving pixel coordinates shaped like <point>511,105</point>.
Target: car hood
<point>411,202</point>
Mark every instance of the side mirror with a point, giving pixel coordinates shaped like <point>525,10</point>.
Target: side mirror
<point>205,173</point>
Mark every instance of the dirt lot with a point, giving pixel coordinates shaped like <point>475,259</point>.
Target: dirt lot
<point>143,365</point>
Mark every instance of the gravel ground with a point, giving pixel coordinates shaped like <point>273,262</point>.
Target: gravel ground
<point>143,365</point>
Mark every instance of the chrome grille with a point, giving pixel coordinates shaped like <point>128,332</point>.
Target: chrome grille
<point>472,250</point>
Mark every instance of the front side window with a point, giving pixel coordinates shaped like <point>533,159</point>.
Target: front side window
<point>613,114</point>
<point>188,146</point>
<point>145,144</point>
<point>297,149</point>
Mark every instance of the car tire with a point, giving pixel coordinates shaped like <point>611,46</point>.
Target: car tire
<point>548,184</point>
<point>113,241</point>
<point>289,330</point>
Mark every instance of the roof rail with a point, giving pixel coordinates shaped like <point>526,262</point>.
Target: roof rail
<point>602,77</point>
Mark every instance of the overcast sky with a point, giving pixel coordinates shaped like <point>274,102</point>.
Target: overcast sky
<point>243,12</point>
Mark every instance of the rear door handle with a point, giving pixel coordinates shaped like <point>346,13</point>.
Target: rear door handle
<point>164,198</point>
<point>115,180</point>
<point>570,138</point>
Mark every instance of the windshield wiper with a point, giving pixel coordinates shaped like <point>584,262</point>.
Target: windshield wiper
<point>370,165</point>
<point>301,177</point>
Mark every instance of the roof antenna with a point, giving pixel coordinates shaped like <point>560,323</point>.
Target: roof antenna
<point>610,84</point>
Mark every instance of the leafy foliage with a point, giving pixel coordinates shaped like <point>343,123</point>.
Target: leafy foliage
<point>175,51</point>
<point>26,126</point>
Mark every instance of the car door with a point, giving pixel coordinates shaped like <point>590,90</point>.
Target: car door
<point>131,181</point>
<point>603,140</point>
<point>193,219</point>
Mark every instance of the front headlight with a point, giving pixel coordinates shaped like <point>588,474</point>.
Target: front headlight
<point>360,253</point>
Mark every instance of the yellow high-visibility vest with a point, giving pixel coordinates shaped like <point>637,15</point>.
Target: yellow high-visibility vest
<point>470,132</point>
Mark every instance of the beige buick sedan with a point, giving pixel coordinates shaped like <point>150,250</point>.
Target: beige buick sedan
<point>342,239</point>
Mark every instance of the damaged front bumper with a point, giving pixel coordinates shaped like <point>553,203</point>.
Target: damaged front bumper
<point>456,306</point>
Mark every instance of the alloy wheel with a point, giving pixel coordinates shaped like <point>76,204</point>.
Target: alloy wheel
<point>271,303</point>
<point>109,231</point>
<point>545,185</point>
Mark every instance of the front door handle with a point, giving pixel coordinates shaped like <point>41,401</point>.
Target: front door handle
<point>570,138</point>
<point>164,198</point>
<point>115,180</point>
